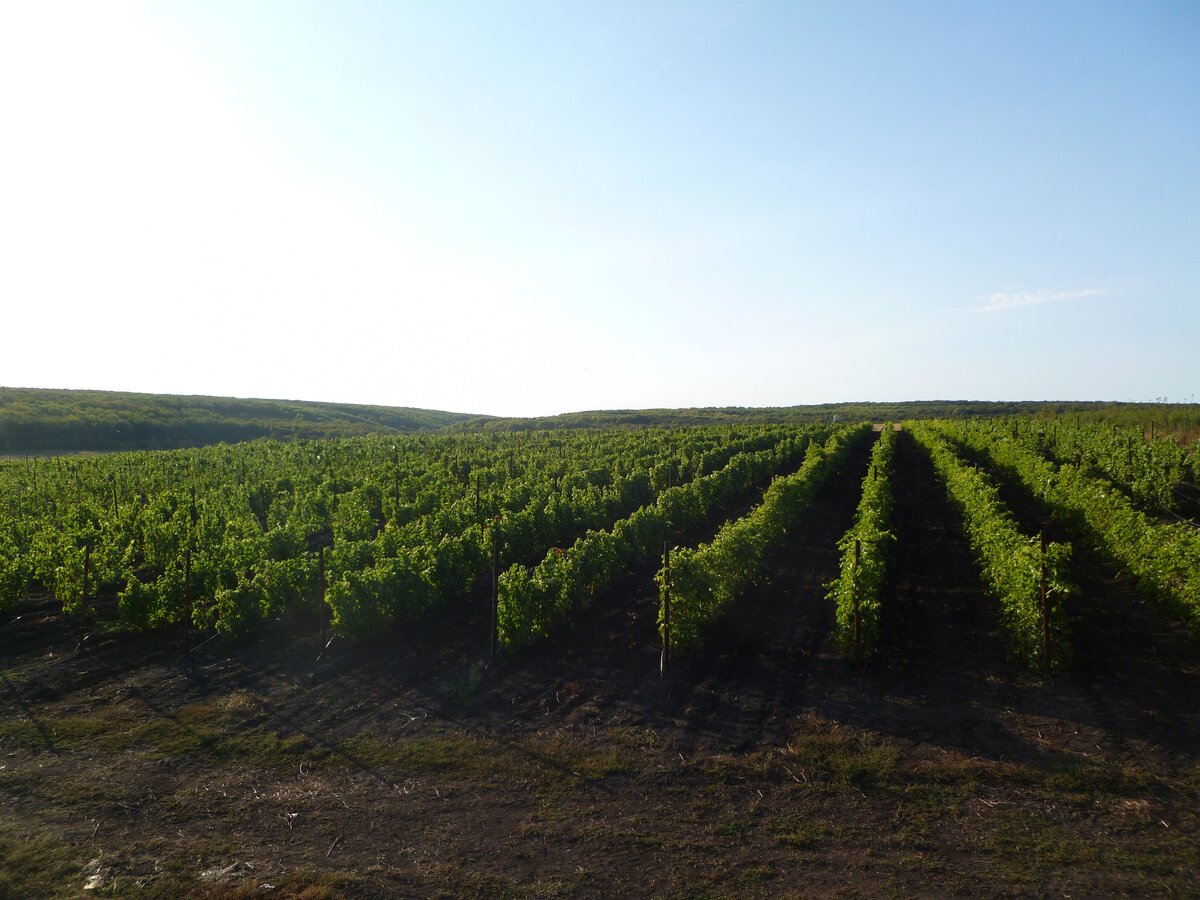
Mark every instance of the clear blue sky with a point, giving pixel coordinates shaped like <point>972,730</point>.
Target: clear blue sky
<point>529,208</point>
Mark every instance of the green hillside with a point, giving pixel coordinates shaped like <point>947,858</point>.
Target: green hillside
<point>34,420</point>
<point>1175,417</point>
<point>56,421</point>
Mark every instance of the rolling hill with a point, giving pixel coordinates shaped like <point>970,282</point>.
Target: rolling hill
<point>34,420</point>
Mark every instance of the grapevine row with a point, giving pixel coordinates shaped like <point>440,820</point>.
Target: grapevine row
<point>531,601</point>
<point>1155,473</point>
<point>1027,576</point>
<point>385,585</point>
<point>697,584</point>
<point>857,593</point>
<point>226,536</point>
<point>1164,559</point>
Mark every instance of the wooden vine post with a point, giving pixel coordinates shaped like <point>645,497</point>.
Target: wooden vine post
<point>665,659</point>
<point>495,591</point>
<point>857,610</point>
<point>395,483</point>
<point>188,610</point>
<point>1045,608</point>
<point>321,598</point>
<point>81,622</point>
<point>186,615</point>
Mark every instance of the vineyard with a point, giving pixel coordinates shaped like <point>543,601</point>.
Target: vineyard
<point>491,648</point>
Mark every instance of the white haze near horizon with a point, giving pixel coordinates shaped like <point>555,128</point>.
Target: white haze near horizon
<point>549,209</point>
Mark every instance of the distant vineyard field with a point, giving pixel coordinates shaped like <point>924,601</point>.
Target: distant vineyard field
<point>362,535</point>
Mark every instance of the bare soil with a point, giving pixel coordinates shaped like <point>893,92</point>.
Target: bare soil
<point>765,766</point>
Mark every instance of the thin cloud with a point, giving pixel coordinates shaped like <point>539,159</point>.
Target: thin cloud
<point>1004,301</point>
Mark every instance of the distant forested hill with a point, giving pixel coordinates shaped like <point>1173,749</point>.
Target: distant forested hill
<point>1175,417</point>
<point>54,421</point>
<point>61,421</point>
